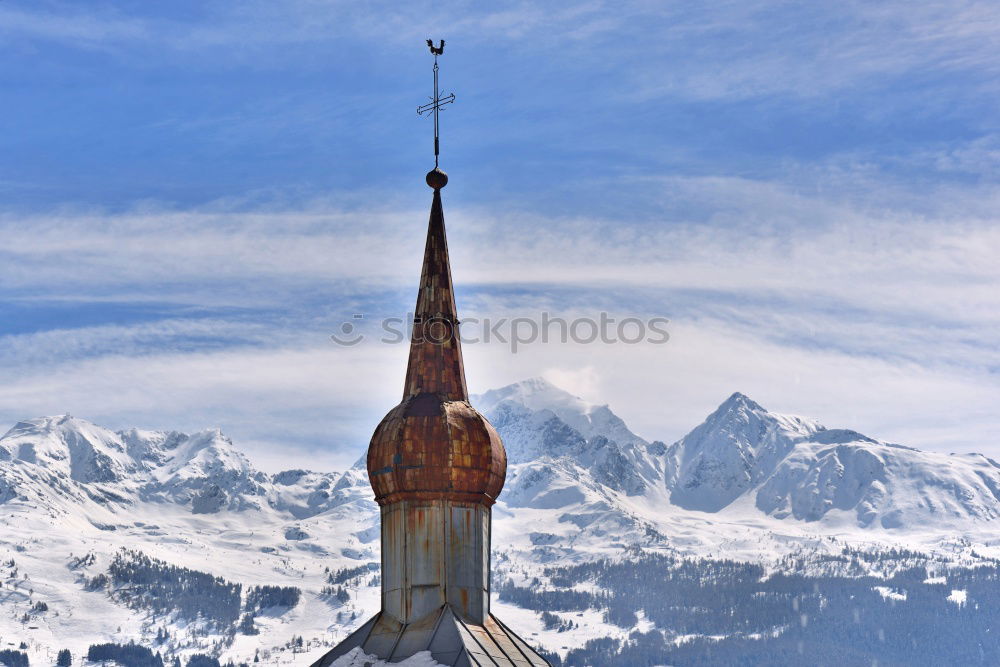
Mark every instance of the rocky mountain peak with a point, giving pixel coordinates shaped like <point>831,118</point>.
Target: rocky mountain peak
<point>734,449</point>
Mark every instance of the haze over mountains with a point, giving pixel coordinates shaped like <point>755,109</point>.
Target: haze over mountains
<point>747,483</point>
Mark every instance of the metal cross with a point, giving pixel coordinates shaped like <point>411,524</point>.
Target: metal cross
<point>437,102</point>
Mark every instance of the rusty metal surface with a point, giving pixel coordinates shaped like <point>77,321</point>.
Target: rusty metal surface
<point>428,448</point>
<point>494,624</point>
<point>383,635</point>
<point>418,636</point>
<point>435,365</point>
<point>450,640</point>
<point>432,554</point>
<point>468,572</point>
<point>446,641</point>
<point>506,644</point>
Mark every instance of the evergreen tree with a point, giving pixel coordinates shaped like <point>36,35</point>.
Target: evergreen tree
<point>128,655</point>
<point>162,588</point>
<point>13,658</point>
<point>246,625</point>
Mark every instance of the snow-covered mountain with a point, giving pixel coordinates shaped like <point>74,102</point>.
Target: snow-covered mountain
<point>795,467</point>
<point>785,466</point>
<point>62,463</point>
<point>746,483</point>
<point>539,396</point>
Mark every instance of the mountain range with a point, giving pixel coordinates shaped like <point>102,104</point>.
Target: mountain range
<point>98,526</point>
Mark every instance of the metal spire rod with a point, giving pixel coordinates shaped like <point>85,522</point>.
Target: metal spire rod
<point>437,102</point>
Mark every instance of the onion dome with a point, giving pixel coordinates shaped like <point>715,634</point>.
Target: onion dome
<point>434,444</point>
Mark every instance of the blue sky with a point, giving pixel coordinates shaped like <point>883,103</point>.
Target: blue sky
<point>193,196</point>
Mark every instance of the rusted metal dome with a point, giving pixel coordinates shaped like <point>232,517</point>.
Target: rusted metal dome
<point>428,448</point>
<point>434,444</point>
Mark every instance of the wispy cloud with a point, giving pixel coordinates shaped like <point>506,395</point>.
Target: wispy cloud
<point>92,30</point>
<point>723,50</point>
<point>761,48</point>
<point>872,320</point>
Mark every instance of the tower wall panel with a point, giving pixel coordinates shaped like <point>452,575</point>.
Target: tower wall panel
<point>435,552</point>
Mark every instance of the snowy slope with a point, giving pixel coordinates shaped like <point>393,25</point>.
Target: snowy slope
<point>72,490</point>
<point>746,483</point>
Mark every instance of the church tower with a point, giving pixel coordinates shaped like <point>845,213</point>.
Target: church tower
<point>436,466</point>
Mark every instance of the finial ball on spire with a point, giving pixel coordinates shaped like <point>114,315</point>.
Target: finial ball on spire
<point>437,179</point>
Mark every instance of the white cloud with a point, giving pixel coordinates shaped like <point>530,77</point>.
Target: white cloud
<point>750,237</point>
<point>878,321</point>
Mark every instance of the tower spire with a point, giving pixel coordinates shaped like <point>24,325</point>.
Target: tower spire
<point>435,365</point>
